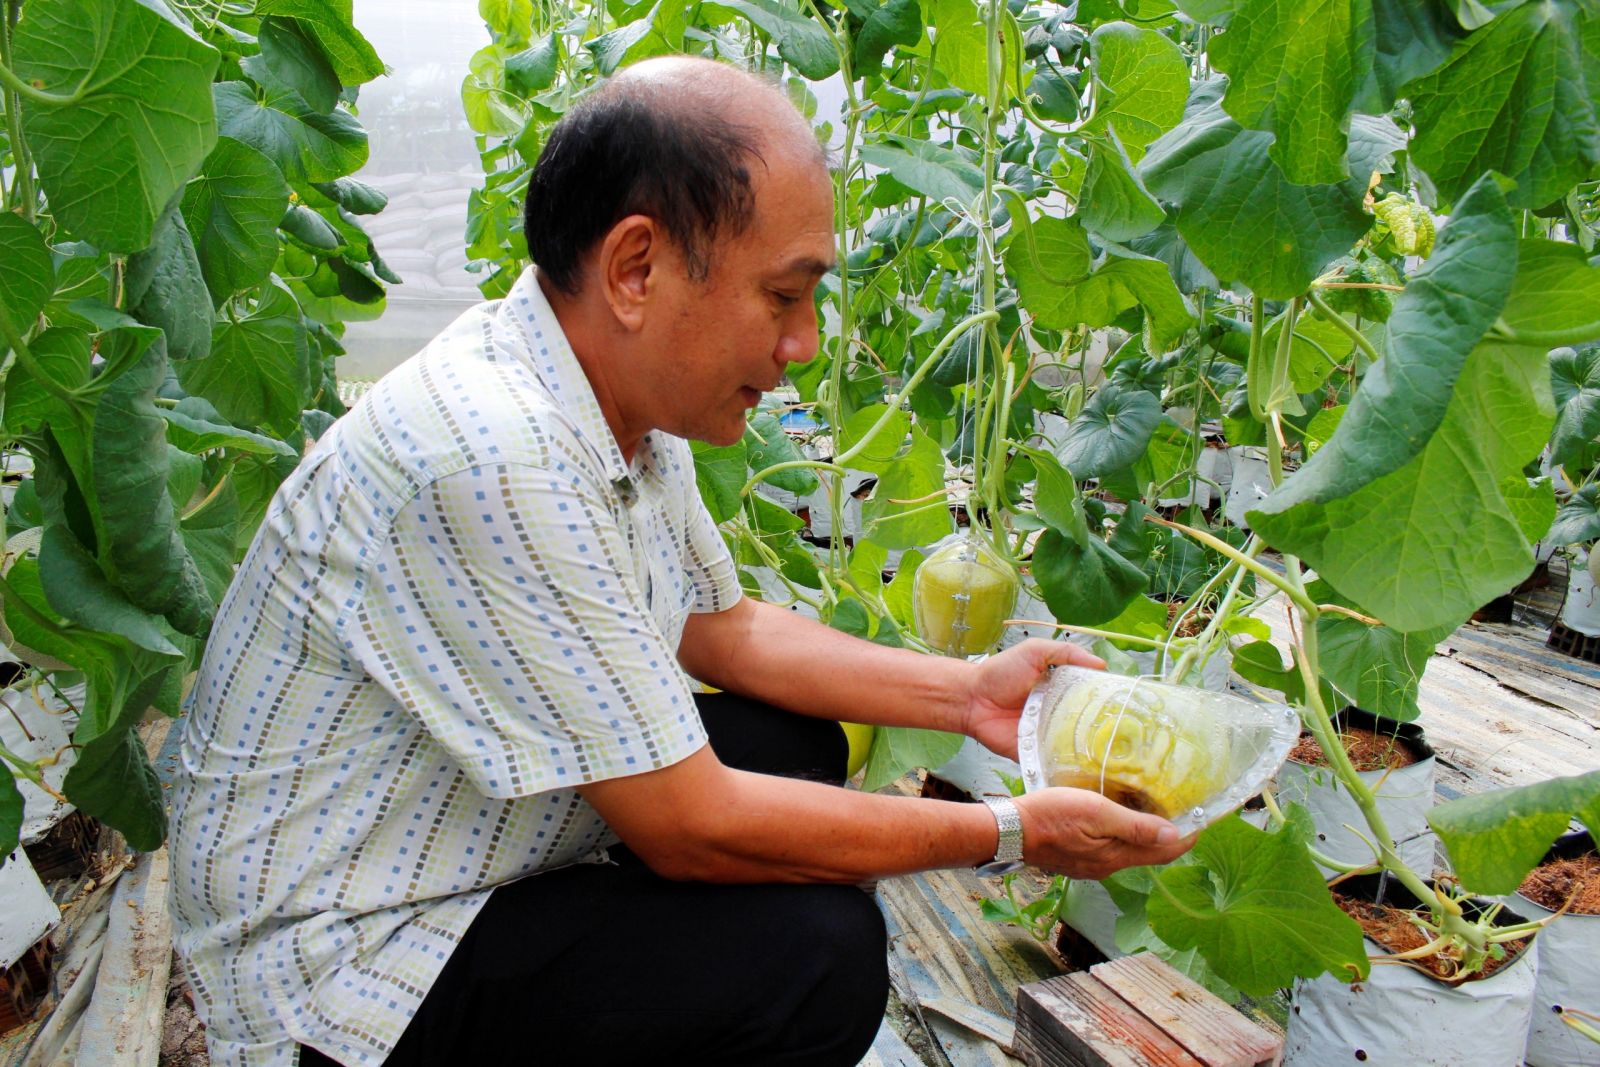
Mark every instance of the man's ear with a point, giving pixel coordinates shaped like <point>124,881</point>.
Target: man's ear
<point>629,266</point>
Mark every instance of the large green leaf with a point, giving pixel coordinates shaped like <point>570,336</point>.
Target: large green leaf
<point>1555,289</point>
<point>894,22</point>
<point>801,41</point>
<point>1411,39</point>
<point>1292,71</point>
<point>1376,667</point>
<point>1245,883</point>
<point>1397,412</point>
<point>305,144</point>
<point>1578,518</point>
<point>165,289</point>
<point>112,779</point>
<point>78,589</point>
<point>896,750</point>
<point>147,557</point>
<point>1245,220</point>
<point>12,811</point>
<point>195,426</point>
<point>960,50</point>
<point>916,473</point>
<point>1518,96</point>
<point>1141,81</point>
<point>112,161</point>
<point>1430,542</point>
<point>258,373</point>
<point>1111,432</point>
<point>64,355</point>
<point>331,22</point>
<point>232,208</point>
<point>1130,890</point>
<point>769,446</point>
<point>1084,584</point>
<point>1495,839</point>
<point>879,453</point>
<point>1575,377</point>
<point>291,59</point>
<point>27,276</point>
<point>720,473</point>
<point>937,172</point>
<point>1115,203</point>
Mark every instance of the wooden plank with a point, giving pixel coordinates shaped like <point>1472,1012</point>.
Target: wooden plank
<point>1199,1020</point>
<point>122,1024</point>
<point>1076,1021</point>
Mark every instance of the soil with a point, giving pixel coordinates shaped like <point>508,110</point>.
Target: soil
<point>1192,624</point>
<point>1550,885</point>
<point>1369,751</point>
<point>1393,929</point>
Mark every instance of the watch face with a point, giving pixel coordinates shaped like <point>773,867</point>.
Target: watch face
<point>995,868</point>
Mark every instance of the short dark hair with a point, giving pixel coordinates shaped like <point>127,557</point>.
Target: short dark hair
<point>624,151</point>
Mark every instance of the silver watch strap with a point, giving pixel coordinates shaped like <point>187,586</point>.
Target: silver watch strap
<point>1009,850</point>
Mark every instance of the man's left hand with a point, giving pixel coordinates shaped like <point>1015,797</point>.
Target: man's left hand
<point>1001,684</point>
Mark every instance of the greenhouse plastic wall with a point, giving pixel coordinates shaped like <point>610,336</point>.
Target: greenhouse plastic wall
<point>423,157</point>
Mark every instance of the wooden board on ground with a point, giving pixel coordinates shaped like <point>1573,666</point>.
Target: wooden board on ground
<point>1135,1012</point>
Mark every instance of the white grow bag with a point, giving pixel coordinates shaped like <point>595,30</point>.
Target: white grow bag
<point>26,910</point>
<point>1581,611</point>
<point>1569,975</point>
<point>1400,1017</point>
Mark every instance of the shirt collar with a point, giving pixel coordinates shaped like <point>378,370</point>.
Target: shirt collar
<point>558,368</point>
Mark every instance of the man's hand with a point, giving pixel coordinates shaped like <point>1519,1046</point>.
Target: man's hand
<point>1000,686</point>
<point>1084,835</point>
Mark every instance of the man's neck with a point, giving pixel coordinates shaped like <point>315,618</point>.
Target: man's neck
<point>584,331</point>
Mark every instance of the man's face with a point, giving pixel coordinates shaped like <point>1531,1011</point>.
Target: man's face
<point>728,339</point>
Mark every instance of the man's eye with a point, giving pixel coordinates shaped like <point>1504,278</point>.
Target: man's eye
<point>786,299</point>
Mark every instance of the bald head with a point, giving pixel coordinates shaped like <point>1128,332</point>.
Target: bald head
<point>676,138</point>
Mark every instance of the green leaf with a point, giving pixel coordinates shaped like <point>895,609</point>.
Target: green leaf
<point>78,590</point>
<point>1376,667</point>
<point>1495,839</point>
<point>112,162</point>
<point>507,18</point>
<point>1049,262</point>
<point>719,471</point>
<point>1555,289</point>
<point>1245,220</point>
<point>896,750</point>
<point>232,208</point>
<point>27,276</point>
<point>880,453</point>
<point>1411,40</point>
<point>165,289</point>
<point>1292,71</point>
<point>1518,96</point>
<point>1260,663</point>
<point>210,536</point>
<point>1115,203</point>
<point>534,70</point>
<point>768,446</point>
<point>1438,538</point>
<point>611,49</point>
<point>1578,518</point>
<point>290,59</point>
<point>1142,82</point>
<point>1315,350</point>
<point>12,811</point>
<point>354,196</point>
<point>895,22</point>
<point>1575,376</point>
<point>1111,432</point>
<point>1056,500</point>
<point>331,22</point>
<point>1086,584</point>
<point>1246,881</point>
<point>960,50</point>
<point>937,172</point>
<point>802,43</point>
<point>310,228</point>
<point>63,354</point>
<point>112,781</point>
<point>146,555</point>
<point>1409,465</point>
<point>306,145</point>
<point>258,373</point>
<point>916,472</point>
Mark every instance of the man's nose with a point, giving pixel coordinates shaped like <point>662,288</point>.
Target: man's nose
<point>799,341</point>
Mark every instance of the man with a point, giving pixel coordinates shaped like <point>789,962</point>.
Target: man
<point>451,661</point>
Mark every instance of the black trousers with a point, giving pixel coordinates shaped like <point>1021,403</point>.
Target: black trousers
<point>609,964</point>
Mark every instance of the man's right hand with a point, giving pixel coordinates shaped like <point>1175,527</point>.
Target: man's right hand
<point>1084,835</point>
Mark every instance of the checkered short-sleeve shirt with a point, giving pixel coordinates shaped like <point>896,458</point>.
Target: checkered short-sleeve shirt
<point>462,605</point>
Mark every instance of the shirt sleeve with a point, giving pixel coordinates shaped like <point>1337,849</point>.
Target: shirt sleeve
<point>706,559</point>
<point>503,612</point>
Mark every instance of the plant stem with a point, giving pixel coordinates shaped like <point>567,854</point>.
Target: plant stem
<point>1572,335</point>
<point>1342,323</point>
<point>1250,563</point>
<point>1146,642</point>
<point>22,192</point>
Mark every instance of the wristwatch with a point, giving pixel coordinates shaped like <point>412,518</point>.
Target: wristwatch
<point>1008,854</point>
